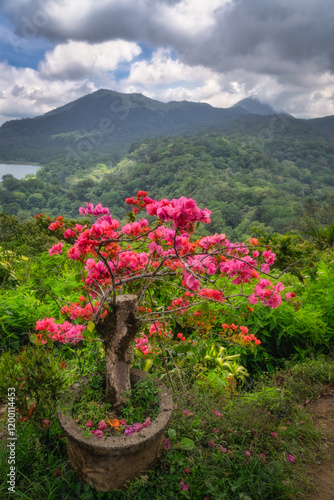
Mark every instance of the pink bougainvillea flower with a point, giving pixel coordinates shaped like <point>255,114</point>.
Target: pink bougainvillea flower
<point>167,444</point>
<point>187,412</point>
<point>223,449</point>
<point>147,422</point>
<point>291,459</point>
<point>46,424</point>
<point>274,435</point>
<point>184,486</point>
<point>248,455</point>
<point>97,433</point>
<point>211,443</point>
<point>187,470</point>
<point>102,425</point>
<point>216,430</point>
<point>137,427</point>
<point>56,249</point>
<point>263,457</point>
<point>89,424</point>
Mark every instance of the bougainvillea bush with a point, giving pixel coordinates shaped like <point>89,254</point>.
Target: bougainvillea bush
<point>121,269</point>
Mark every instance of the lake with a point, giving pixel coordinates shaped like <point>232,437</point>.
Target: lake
<point>17,171</point>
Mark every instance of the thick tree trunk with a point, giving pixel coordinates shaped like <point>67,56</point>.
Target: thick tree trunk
<point>117,330</point>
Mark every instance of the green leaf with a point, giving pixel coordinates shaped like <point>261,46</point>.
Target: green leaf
<point>187,444</point>
<point>90,327</point>
<point>147,365</point>
<point>171,433</point>
<point>131,216</point>
<point>50,343</point>
<point>205,307</point>
<point>33,338</point>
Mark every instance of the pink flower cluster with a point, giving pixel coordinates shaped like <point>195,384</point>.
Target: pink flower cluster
<point>268,294</point>
<point>56,249</point>
<point>136,228</point>
<point>71,232</point>
<point>183,212</point>
<point>143,344</point>
<point>90,210</point>
<point>160,330</point>
<point>63,332</point>
<point>130,429</point>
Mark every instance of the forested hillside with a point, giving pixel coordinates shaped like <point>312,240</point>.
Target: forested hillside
<point>108,122</point>
<point>244,181</point>
<point>105,122</point>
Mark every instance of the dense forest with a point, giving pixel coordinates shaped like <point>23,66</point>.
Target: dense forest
<point>245,181</point>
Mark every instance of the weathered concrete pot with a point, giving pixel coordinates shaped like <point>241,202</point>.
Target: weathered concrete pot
<point>108,463</point>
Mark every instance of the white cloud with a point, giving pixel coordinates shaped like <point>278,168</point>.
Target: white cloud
<point>163,70</point>
<point>167,79</point>
<point>215,51</point>
<point>77,60</point>
<point>189,16</point>
<point>26,94</point>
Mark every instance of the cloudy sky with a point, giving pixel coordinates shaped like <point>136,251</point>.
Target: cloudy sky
<point>214,51</point>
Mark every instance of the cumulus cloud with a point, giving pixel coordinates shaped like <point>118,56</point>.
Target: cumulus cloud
<point>77,60</point>
<point>97,21</point>
<point>162,69</point>
<point>216,51</point>
<point>26,94</point>
<point>168,79</point>
<point>221,34</point>
<point>268,37</point>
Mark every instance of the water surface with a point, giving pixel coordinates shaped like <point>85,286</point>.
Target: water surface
<point>17,171</point>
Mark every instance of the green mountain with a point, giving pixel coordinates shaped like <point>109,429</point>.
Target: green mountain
<point>107,123</point>
<point>324,125</point>
<point>256,107</point>
<point>104,122</point>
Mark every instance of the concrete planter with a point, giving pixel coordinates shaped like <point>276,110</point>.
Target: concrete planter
<point>108,463</point>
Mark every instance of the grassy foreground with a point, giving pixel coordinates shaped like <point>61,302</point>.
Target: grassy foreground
<point>252,444</point>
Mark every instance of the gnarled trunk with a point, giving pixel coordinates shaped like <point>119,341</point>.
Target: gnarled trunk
<point>117,329</point>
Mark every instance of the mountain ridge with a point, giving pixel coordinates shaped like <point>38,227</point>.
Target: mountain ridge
<point>108,122</point>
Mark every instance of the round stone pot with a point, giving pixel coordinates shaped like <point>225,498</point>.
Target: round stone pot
<point>108,463</point>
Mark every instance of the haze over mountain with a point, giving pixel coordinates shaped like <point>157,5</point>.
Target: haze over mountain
<point>256,107</point>
<point>109,122</point>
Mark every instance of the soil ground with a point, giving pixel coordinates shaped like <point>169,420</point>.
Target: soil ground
<point>322,475</point>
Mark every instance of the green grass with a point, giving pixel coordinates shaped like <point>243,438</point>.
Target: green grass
<point>206,446</point>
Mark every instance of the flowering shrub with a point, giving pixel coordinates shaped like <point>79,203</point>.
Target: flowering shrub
<point>116,261</point>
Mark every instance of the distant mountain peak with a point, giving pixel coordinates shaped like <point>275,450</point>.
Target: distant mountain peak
<point>256,107</point>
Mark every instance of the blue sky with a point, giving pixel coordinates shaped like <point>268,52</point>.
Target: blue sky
<point>217,51</point>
